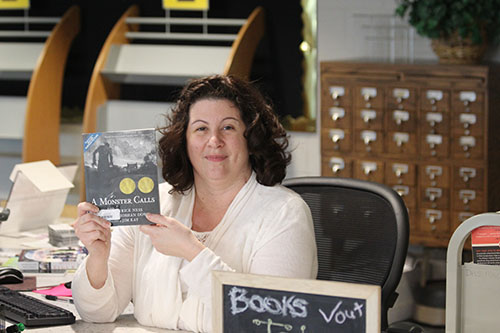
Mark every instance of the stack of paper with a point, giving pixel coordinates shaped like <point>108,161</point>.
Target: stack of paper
<point>62,235</point>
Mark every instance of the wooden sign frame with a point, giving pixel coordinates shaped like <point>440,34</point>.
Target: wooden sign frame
<point>369,293</point>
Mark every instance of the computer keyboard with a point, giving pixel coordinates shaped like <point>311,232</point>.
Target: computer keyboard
<point>22,308</point>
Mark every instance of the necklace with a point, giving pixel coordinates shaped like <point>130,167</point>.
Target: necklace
<point>202,236</point>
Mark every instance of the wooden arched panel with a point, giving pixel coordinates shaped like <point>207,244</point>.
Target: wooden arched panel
<point>43,103</point>
<point>243,49</point>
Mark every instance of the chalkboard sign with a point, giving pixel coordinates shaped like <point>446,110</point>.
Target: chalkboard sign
<point>247,303</point>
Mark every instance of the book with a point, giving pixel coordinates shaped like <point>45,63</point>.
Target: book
<point>485,243</point>
<point>51,260</point>
<point>121,175</point>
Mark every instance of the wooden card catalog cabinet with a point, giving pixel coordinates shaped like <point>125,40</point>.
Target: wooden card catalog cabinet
<point>424,130</point>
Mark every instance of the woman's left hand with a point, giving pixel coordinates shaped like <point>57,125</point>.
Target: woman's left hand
<point>171,237</point>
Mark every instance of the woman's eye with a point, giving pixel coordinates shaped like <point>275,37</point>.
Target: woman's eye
<point>201,129</point>
<point>228,127</point>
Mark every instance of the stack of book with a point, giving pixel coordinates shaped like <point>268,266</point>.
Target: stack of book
<point>62,235</point>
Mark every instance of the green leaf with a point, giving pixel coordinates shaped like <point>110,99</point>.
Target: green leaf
<point>401,10</point>
<point>435,18</point>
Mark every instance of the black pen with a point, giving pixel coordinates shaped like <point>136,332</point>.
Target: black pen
<point>55,298</point>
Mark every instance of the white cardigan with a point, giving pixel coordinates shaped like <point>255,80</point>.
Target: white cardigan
<point>266,230</point>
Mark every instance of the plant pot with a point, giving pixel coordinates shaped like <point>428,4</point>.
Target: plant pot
<point>458,50</point>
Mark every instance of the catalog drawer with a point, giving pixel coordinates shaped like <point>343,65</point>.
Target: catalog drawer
<point>401,98</point>
<point>434,175</point>
<point>467,101</point>
<point>397,173</point>
<point>435,100</point>
<point>368,96</point>
<point>334,166</point>
<point>337,117</point>
<point>336,139</point>
<point>369,170</point>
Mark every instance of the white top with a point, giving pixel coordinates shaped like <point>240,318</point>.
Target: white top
<point>266,230</point>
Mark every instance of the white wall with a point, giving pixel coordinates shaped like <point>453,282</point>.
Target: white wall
<point>358,29</point>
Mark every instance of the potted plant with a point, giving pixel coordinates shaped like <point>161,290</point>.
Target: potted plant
<point>460,29</point>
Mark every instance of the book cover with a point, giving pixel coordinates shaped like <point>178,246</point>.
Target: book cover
<point>121,175</point>
<point>486,245</point>
<point>51,260</point>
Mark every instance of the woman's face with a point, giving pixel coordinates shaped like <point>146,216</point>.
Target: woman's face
<point>216,146</point>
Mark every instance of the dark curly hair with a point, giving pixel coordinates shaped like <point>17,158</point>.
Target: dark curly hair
<point>266,138</point>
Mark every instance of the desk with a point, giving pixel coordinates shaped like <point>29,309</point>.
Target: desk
<point>124,323</point>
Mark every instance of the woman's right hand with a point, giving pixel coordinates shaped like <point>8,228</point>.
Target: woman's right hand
<point>93,231</point>
<point>95,234</point>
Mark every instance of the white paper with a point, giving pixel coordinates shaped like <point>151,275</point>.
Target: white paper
<point>44,175</point>
<point>30,208</point>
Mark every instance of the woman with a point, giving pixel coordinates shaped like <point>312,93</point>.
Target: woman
<point>222,208</point>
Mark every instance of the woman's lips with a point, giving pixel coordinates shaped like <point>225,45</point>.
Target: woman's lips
<point>216,158</point>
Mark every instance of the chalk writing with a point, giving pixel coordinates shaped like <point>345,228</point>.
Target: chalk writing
<point>270,324</point>
<point>288,305</point>
<point>342,315</point>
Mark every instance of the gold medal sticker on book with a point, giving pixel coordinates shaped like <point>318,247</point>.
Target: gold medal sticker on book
<point>121,174</point>
<point>146,185</point>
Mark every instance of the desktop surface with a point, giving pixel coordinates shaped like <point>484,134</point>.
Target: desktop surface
<point>124,323</point>
<point>37,238</point>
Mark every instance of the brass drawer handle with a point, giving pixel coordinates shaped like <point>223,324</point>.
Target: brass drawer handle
<point>337,92</point>
<point>337,164</point>
<point>467,173</point>
<point>337,113</point>
<point>368,167</point>
<point>433,215</point>
<point>467,195</point>
<point>400,169</point>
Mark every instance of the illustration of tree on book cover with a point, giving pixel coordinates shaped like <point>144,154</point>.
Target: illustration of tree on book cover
<point>121,174</point>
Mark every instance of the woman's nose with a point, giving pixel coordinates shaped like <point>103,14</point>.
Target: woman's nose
<point>215,140</point>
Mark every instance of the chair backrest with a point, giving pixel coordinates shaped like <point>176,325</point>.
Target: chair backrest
<point>361,232</point>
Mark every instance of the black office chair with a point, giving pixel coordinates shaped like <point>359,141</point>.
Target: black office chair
<point>361,232</point>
